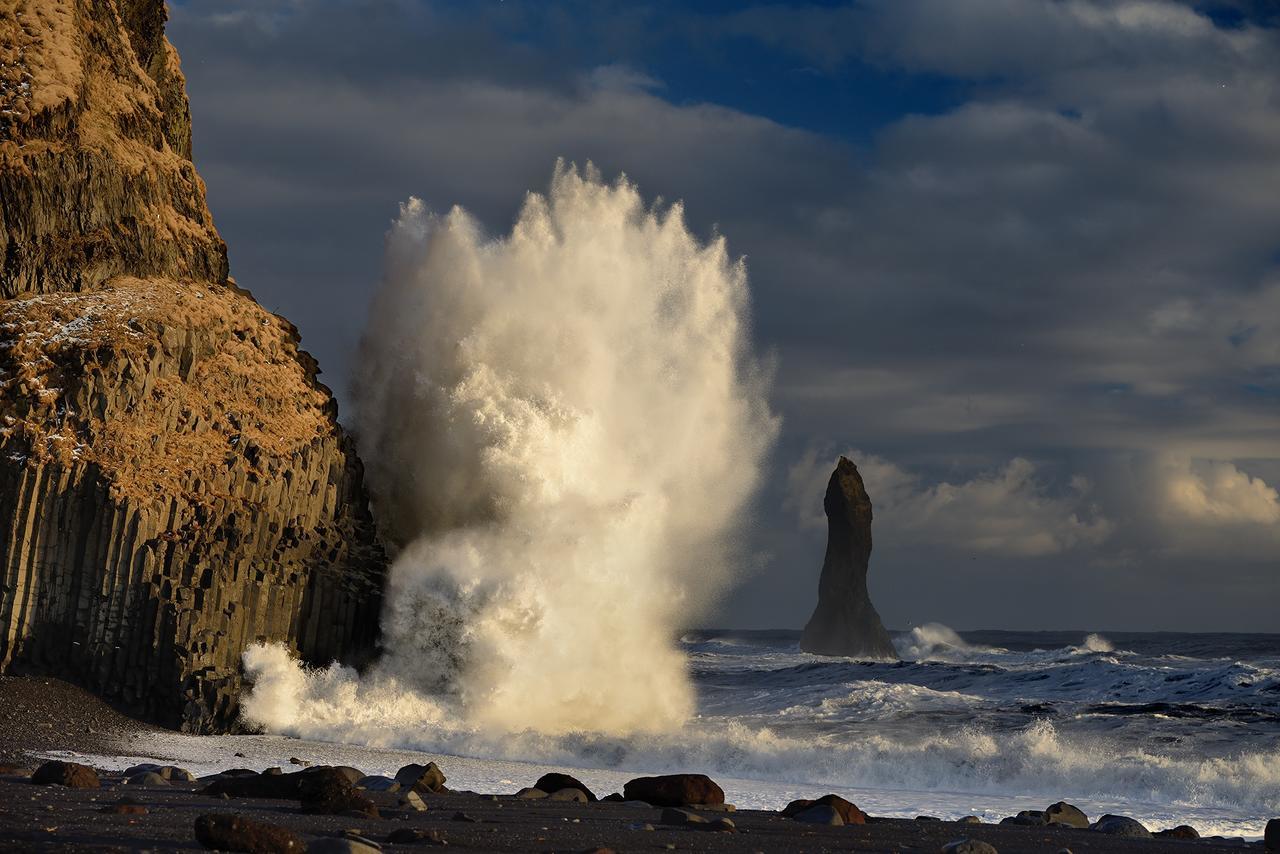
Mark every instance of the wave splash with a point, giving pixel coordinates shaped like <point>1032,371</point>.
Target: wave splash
<point>562,427</point>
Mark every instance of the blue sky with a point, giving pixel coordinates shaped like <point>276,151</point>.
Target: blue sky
<point>1021,258</point>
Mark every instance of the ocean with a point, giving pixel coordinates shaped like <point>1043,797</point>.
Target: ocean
<point>1167,728</point>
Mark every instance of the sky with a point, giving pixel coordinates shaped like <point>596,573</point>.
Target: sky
<point>1019,259</point>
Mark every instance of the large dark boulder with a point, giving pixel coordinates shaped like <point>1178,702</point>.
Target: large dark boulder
<point>848,812</point>
<point>554,782</point>
<point>1272,837</point>
<point>73,775</point>
<point>329,792</point>
<point>228,832</point>
<point>1065,813</point>
<point>1121,825</point>
<point>674,790</point>
<point>422,778</point>
<point>845,622</point>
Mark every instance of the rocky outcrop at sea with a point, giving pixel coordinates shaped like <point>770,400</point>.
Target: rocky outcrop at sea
<point>845,622</point>
<point>174,485</point>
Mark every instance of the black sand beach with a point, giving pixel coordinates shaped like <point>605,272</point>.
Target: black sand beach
<point>40,715</point>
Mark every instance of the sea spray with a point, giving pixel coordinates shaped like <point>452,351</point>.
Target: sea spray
<point>562,428</point>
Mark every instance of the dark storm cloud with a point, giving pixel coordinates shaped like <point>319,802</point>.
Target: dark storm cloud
<point>1048,317</point>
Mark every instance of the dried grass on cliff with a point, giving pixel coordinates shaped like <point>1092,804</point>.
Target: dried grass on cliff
<point>190,374</point>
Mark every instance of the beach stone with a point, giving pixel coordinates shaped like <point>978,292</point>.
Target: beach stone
<point>1065,813</point>
<point>415,836</point>
<point>173,772</point>
<point>1182,831</point>
<point>239,784</point>
<point>293,760</point>
<point>724,824</point>
<point>1271,838</point>
<point>674,790</point>
<point>424,778</point>
<point>969,846</point>
<point>8,769</point>
<point>1029,818</point>
<point>574,795</point>
<point>73,775</point>
<point>341,845</point>
<point>927,818</point>
<point>412,800</point>
<point>1120,825</point>
<point>615,798</point>
<point>555,782</point>
<point>140,768</point>
<point>229,832</point>
<point>849,812</point>
<point>125,809</point>
<point>328,792</point>
<point>640,825</point>
<point>970,819</point>
<point>354,775</point>
<point>461,816</point>
<point>273,771</point>
<point>146,778</point>
<point>531,794</point>
<point>680,817</point>
<point>820,814</point>
<point>641,805</point>
<point>377,784</point>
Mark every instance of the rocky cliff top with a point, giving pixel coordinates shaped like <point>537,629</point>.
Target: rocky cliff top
<point>95,150</point>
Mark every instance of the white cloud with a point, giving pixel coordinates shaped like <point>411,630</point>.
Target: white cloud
<point>1005,511</point>
<point>1217,494</point>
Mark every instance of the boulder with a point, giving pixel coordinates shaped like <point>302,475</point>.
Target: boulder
<point>229,832</point>
<point>849,812</point>
<point>531,794</point>
<point>1064,813</point>
<point>574,795</point>
<point>555,782</point>
<point>254,785</point>
<point>352,774</point>
<point>329,792</point>
<point>146,778</point>
<point>680,817</point>
<point>424,778</point>
<point>378,784</point>
<point>1029,818</point>
<point>1120,825</point>
<point>969,846</point>
<point>674,790</point>
<point>819,814</point>
<point>1271,838</point>
<point>844,621</point>
<point>73,775</point>
<point>1182,831</point>
<point>413,801</point>
<point>341,845</point>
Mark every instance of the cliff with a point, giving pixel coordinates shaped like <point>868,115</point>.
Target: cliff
<point>174,484</point>
<point>845,622</point>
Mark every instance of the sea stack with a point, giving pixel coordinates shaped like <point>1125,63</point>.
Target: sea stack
<point>845,622</point>
<point>174,484</point>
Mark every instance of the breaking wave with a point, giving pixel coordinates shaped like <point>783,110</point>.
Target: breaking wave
<point>562,428</point>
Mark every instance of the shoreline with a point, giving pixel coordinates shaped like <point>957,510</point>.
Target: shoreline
<point>44,717</point>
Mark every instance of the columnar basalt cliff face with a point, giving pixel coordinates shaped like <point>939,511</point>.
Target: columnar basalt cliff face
<point>173,482</point>
<point>845,622</point>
